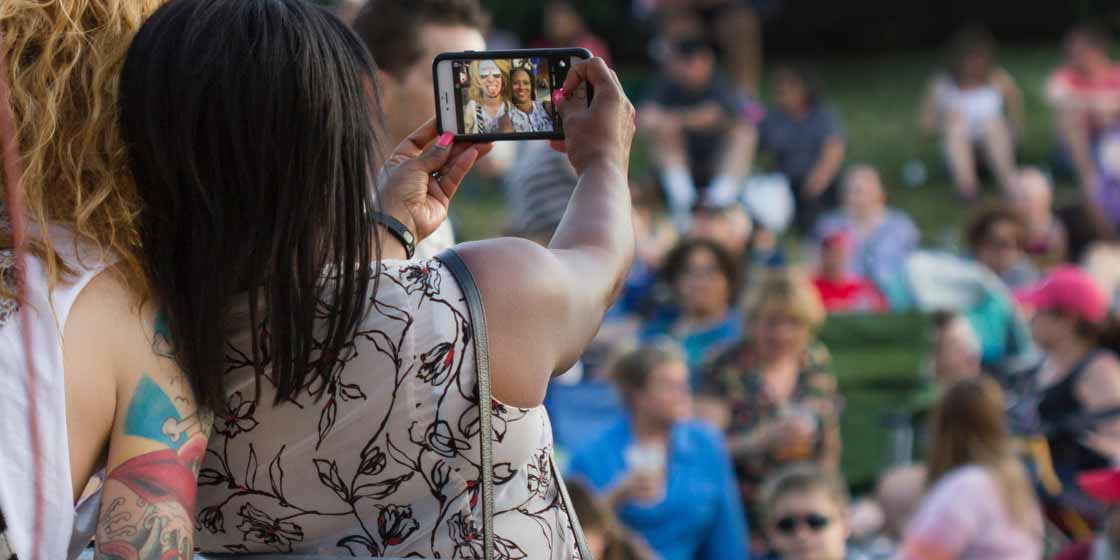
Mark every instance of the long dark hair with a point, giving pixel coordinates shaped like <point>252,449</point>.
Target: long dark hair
<point>253,139</point>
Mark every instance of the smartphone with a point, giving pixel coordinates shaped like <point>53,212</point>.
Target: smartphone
<point>485,96</point>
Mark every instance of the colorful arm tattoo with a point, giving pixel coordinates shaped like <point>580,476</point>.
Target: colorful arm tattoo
<point>148,501</point>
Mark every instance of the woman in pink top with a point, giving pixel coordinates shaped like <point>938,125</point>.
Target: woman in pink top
<point>980,504</point>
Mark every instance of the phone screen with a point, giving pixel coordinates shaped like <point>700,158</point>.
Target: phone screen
<point>509,97</point>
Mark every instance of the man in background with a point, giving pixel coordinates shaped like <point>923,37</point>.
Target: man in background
<point>407,36</point>
<point>702,145</point>
<point>1085,96</point>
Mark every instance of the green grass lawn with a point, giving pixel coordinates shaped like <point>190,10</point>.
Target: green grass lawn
<point>877,97</point>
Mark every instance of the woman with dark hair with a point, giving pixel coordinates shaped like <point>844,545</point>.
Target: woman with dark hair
<point>527,115</point>
<point>976,106</point>
<point>345,375</point>
<point>669,477</point>
<point>997,237</point>
<point>704,279</point>
<point>806,140</point>
<point>980,503</point>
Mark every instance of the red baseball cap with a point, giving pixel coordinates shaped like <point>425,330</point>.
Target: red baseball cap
<point>1067,289</point>
<point>1102,485</point>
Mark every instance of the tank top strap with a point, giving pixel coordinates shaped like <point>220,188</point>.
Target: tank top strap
<point>1082,366</point>
<point>84,261</point>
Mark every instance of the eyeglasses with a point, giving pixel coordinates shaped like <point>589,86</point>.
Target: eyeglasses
<point>815,521</point>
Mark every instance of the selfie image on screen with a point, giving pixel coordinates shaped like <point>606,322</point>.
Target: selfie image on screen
<point>507,95</point>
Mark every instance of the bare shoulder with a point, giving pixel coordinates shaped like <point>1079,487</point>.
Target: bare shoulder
<point>528,295</point>
<point>1104,370</point>
<point>114,339</point>
<point>511,267</point>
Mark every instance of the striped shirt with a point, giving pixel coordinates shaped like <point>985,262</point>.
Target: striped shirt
<point>538,187</point>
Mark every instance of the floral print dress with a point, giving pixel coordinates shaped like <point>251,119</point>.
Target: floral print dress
<point>386,462</point>
<point>734,378</point>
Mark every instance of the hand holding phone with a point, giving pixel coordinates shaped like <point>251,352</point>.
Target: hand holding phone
<point>604,128</point>
<point>422,175</point>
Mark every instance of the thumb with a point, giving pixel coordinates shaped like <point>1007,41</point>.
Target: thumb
<point>434,157</point>
<point>561,100</point>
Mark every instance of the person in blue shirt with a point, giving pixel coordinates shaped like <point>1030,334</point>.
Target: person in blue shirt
<point>704,279</point>
<point>668,477</point>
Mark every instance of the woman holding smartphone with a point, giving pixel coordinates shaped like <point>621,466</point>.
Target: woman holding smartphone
<point>351,418</point>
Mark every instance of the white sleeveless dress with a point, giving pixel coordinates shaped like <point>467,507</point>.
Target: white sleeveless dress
<point>64,533</point>
<point>386,463</point>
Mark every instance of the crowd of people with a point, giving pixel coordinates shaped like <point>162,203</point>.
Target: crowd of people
<point>754,231</point>
<point>676,316</point>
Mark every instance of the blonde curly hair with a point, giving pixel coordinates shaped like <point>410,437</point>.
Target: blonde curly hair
<point>64,60</point>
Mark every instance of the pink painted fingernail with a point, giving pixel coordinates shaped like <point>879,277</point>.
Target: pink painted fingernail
<point>446,139</point>
<point>557,96</point>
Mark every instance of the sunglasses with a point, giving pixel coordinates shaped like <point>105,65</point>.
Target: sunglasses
<point>489,75</point>
<point>815,521</point>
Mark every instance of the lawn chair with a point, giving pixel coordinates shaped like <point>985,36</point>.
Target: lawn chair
<point>878,361</point>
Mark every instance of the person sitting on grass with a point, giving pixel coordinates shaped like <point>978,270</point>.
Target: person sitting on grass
<point>881,236</point>
<point>704,279</point>
<point>840,290</point>
<point>1033,199</point>
<point>976,107</point>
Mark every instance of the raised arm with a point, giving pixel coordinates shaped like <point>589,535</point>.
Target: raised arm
<point>543,305</point>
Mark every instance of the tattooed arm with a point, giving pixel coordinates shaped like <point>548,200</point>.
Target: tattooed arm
<point>157,444</point>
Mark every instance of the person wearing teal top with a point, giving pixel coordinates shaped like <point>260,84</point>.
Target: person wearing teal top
<point>704,279</point>
<point>669,478</point>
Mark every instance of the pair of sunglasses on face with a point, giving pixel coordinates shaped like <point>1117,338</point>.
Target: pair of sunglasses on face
<point>814,521</point>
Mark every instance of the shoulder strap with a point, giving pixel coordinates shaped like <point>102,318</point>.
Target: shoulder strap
<point>1083,365</point>
<point>475,311</point>
<point>465,279</point>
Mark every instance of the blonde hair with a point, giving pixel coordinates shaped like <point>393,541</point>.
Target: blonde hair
<point>64,60</point>
<point>788,291</point>
<point>798,478</point>
<point>970,428</point>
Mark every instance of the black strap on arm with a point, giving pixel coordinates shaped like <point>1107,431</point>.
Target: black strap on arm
<point>465,279</point>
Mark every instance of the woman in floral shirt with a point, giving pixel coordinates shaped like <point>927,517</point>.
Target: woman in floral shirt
<point>773,392</point>
<point>348,418</point>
